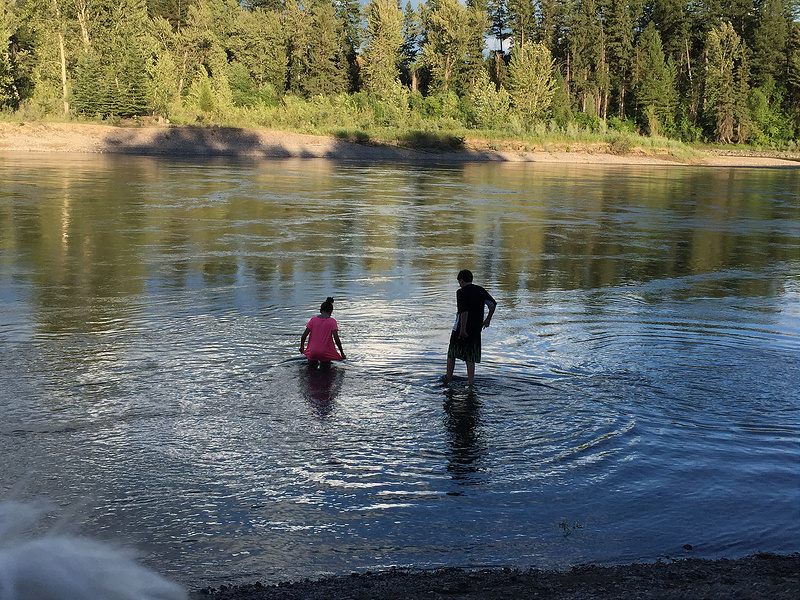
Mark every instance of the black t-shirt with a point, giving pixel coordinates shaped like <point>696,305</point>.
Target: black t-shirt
<point>471,299</point>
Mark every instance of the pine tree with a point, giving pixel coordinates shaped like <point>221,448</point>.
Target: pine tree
<point>409,50</point>
<point>348,18</point>
<point>9,96</point>
<point>499,20</point>
<point>655,82</point>
<point>769,43</point>
<point>522,21</point>
<point>297,24</point>
<point>175,12</point>
<point>87,86</point>
<point>111,75</point>
<point>130,85</point>
<point>259,47</point>
<point>384,41</point>
<point>491,104</point>
<point>327,67</point>
<point>205,44</point>
<point>620,49</point>
<point>725,80</point>
<point>530,80</point>
<point>551,28</point>
<point>793,78</point>
<point>586,55</point>
<point>445,41</point>
<point>474,64</point>
<point>163,72</point>
<point>671,19</point>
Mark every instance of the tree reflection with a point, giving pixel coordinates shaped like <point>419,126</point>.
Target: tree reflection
<point>84,232</point>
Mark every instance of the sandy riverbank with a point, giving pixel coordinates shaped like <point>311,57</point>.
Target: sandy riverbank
<point>215,141</point>
<point>761,577</point>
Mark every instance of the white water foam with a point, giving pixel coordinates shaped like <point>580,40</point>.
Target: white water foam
<point>57,567</point>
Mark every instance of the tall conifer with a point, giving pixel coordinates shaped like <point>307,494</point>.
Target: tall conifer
<point>327,65</point>
<point>655,82</point>
<point>725,80</point>
<point>770,38</point>
<point>384,43</point>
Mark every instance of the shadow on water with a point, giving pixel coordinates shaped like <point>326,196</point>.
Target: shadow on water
<point>320,385</point>
<point>462,408</point>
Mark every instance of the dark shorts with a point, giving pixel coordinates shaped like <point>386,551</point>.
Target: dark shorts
<point>468,350</point>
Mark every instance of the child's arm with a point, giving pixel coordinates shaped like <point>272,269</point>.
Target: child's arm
<point>492,305</point>
<point>462,325</point>
<point>338,343</point>
<point>303,340</point>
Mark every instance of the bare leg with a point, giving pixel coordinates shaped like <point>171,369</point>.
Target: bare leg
<point>451,365</point>
<point>471,372</point>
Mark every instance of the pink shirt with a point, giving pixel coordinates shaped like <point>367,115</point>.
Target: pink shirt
<point>320,344</point>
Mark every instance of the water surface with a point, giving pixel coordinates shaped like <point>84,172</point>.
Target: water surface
<point>639,389</point>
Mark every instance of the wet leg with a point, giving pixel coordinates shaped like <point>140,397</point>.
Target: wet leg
<point>451,365</point>
<point>471,372</point>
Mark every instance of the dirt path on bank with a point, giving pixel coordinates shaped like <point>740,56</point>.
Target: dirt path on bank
<point>219,141</point>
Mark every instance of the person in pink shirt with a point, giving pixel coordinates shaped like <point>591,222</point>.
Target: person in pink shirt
<point>324,332</point>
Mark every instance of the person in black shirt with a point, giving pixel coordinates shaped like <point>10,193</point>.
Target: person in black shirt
<point>465,340</point>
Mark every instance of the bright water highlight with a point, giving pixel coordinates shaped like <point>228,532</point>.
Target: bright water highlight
<point>638,392</point>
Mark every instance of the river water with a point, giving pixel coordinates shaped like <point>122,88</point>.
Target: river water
<point>638,393</point>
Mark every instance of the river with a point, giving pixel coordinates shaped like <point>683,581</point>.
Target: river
<point>637,399</point>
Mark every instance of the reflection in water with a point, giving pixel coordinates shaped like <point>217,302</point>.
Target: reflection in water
<point>463,422</point>
<point>321,384</point>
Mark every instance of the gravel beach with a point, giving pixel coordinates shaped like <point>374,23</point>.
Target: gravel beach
<point>760,577</point>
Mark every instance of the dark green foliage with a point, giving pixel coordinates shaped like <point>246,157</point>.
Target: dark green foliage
<point>409,50</point>
<point>102,91</point>
<point>561,106</point>
<point>244,89</point>
<point>9,97</point>
<point>611,66</point>
<point>326,68</point>
<point>620,46</point>
<point>174,11</point>
<point>348,19</point>
<point>432,141</point>
<point>726,84</point>
<point>654,83</point>
<point>770,38</point>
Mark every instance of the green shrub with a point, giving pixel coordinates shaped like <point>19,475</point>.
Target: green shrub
<point>591,123</point>
<point>621,125</point>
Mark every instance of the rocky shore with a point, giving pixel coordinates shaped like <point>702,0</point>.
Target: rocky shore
<point>759,577</point>
<point>165,140</point>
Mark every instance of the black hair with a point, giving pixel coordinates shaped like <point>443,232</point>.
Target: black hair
<point>327,306</point>
<point>465,276</point>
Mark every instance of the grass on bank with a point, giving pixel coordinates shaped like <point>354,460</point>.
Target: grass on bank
<point>441,124</point>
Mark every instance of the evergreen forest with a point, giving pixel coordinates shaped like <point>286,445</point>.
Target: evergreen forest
<point>724,71</point>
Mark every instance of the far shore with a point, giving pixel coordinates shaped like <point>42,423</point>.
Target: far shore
<point>186,141</point>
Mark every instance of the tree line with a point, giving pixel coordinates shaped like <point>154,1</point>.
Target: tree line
<point>724,70</point>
